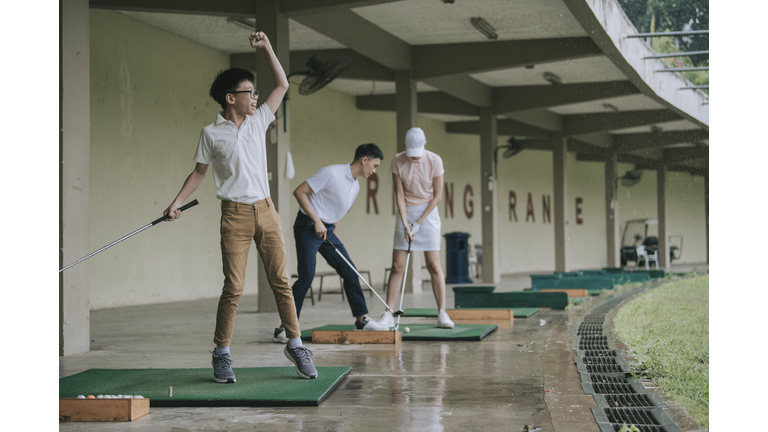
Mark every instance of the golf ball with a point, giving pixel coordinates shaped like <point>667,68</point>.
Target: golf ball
<point>81,396</point>
<point>406,329</point>
<point>90,397</point>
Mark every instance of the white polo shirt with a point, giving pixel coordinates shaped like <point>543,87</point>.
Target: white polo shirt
<point>333,192</point>
<point>238,156</point>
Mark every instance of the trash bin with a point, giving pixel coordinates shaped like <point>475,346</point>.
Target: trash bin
<point>457,258</point>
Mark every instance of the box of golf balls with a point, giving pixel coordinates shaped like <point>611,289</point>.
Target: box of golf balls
<point>103,408</point>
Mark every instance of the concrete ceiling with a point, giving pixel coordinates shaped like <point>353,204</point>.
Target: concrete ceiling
<point>452,61</point>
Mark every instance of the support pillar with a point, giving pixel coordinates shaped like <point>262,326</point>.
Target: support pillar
<point>278,139</point>
<point>489,197</point>
<point>407,109</point>
<point>706,209</point>
<point>612,228</point>
<point>661,197</point>
<point>560,174</point>
<point>74,177</point>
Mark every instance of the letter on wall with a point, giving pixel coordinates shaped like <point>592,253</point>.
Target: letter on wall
<point>545,204</point>
<point>579,220</point>
<point>448,188</point>
<point>373,187</point>
<point>529,211</point>
<point>469,212</point>
<point>512,204</point>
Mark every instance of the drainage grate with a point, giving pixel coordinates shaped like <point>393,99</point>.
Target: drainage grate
<point>609,379</point>
<point>598,353</point>
<point>594,319</point>
<point>600,360</point>
<point>631,416</point>
<point>590,329</point>
<point>622,388</point>
<point>593,342</point>
<point>626,401</point>
<point>602,368</point>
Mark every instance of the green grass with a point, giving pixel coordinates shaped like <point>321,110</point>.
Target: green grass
<point>667,330</point>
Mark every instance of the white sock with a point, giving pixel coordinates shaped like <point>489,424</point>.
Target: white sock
<point>295,342</point>
<point>221,350</point>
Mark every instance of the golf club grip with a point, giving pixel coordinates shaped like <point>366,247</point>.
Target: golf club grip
<point>181,209</point>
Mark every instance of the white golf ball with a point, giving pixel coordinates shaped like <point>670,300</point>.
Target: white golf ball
<point>406,329</point>
<point>138,397</point>
<point>81,396</point>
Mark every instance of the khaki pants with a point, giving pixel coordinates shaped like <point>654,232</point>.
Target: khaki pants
<point>241,223</point>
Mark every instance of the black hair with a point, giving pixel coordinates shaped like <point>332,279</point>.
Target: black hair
<point>371,150</point>
<point>227,81</point>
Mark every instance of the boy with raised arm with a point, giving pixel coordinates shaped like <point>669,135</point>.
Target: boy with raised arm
<point>234,144</point>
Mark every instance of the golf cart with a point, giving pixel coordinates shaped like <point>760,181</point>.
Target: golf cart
<point>644,232</point>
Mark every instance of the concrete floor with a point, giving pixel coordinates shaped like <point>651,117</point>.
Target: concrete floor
<point>521,374</point>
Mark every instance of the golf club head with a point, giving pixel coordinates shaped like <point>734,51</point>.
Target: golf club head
<point>397,313</point>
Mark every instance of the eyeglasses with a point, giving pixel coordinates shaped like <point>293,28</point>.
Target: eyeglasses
<point>254,93</point>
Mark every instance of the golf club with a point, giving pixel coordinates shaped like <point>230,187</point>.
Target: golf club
<point>414,229</point>
<point>153,223</point>
<point>395,313</point>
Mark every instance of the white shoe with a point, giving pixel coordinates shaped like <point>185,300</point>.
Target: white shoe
<point>386,320</point>
<point>279,336</point>
<point>369,324</point>
<point>443,320</point>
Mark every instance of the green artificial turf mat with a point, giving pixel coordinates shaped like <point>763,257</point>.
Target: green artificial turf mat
<point>424,332</point>
<point>432,313</point>
<point>263,386</point>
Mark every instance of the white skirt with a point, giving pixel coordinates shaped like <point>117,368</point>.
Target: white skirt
<point>428,238</point>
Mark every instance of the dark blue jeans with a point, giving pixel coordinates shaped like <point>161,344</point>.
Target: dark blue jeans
<point>307,246</point>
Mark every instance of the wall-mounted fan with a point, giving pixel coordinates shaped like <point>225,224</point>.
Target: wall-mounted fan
<point>512,148</point>
<point>320,73</point>
<point>318,76</point>
<point>631,178</point>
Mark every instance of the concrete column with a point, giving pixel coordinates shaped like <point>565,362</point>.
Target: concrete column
<point>560,173</point>
<point>407,109</point>
<point>74,179</point>
<point>489,197</point>
<point>706,210</point>
<point>612,228</point>
<point>661,197</point>
<point>278,139</point>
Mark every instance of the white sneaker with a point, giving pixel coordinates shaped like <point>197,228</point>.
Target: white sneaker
<point>279,336</point>
<point>443,320</point>
<point>386,320</point>
<point>369,324</point>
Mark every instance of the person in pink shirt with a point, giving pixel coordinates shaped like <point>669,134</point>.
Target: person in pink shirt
<point>417,174</point>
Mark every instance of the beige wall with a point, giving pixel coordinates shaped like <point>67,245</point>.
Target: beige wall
<point>149,101</point>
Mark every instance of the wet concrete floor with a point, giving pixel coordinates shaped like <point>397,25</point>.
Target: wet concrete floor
<point>521,374</point>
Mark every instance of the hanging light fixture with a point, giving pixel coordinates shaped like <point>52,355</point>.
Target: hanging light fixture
<point>483,27</point>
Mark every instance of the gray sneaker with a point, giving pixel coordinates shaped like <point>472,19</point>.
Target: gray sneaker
<point>222,368</point>
<point>302,358</point>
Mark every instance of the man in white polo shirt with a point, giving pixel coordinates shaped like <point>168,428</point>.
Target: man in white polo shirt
<point>234,146</point>
<point>323,200</point>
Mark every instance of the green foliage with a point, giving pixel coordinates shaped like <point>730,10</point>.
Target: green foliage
<point>667,330</point>
<point>630,428</point>
<point>672,15</point>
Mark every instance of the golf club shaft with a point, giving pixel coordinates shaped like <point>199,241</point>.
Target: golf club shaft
<point>405,273</point>
<point>153,223</point>
<point>360,276</point>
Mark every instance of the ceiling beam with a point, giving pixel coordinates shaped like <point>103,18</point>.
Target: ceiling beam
<point>577,124</point>
<point>360,66</point>
<point>687,154</point>
<point>517,98</point>
<point>295,8</point>
<point>637,141</point>
<point>362,36</point>
<point>242,8</point>
<point>465,88</point>
<point>431,61</point>
<point>427,102</point>
<point>503,127</point>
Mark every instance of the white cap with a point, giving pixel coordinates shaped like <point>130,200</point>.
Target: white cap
<point>414,142</point>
